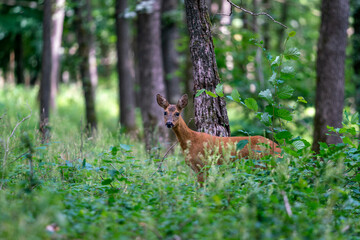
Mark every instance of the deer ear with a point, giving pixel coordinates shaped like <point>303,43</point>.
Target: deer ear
<point>162,101</point>
<point>183,101</point>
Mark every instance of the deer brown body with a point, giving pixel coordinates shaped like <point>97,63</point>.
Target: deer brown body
<point>195,144</point>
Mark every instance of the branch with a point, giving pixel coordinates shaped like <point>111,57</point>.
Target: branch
<point>254,14</point>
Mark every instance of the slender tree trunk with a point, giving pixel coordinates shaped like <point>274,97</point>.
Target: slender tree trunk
<point>210,113</point>
<point>19,59</point>
<point>86,53</point>
<point>330,70</point>
<point>281,31</point>
<point>169,35</point>
<point>125,69</point>
<point>151,74</point>
<point>356,53</point>
<point>56,37</point>
<point>45,84</point>
<point>225,10</point>
<point>259,73</point>
<point>266,26</point>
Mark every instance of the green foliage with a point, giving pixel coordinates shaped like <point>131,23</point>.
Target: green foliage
<point>108,187</point>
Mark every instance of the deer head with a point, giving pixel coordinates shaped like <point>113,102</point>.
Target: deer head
<point>172,112</point>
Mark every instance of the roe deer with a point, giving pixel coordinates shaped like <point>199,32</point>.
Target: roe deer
<point>194,144</point>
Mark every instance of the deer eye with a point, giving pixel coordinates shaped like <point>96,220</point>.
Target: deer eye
<point>177,114</point>
<point>165,113</point>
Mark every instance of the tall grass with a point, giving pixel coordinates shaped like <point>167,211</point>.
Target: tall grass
<point>107,187</point>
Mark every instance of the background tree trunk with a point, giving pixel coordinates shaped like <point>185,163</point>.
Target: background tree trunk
<point>45,84</point>
<point>19,59</point>
<point>259,72</point>
<point>169,35</point>
<point>266,25</point>
<point>210,113</point>
<point>125,69</point>
<point>330,70</point>
<point>281,31</point>
<point>56,37</point>
<point>356,52</point>
<point>86,52</point>
<point>151,74</point>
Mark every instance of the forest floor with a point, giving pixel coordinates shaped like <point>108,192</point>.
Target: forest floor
<point>108,187</point>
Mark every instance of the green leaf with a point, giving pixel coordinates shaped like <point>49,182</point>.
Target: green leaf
<point>284,114</point>
<point>279,112</point>
<point>211,94</point>
<point>292,34</point>
<point>285,92</point>
<point>355,118</point>
<point>265,118</point>
<point>273,78</point>
<point>288,70</point>
<point>292,54</point>
<point>125,147</point>
<point>347,140</point>
<point>266,94</point>
<point>106,181</point>
<point>301,99</point>
<point>251,104</point>
<point>114,150</point>
<point>235,95</point>
<point>299,145</point>
<point>219,90</point>
<point>356,178</point>
<point>283,135</point>
<point>199,92</point>
<point>241,144</point>
<point>276,61</point>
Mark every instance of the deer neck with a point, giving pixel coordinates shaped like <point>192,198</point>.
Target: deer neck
<point>183,133</point>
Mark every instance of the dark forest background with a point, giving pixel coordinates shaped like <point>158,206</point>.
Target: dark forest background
<point>83,142</point>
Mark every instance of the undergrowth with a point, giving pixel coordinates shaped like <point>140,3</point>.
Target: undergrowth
<point>107,187</point>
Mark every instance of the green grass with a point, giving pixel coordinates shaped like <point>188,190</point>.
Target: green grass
<point>107,187</point>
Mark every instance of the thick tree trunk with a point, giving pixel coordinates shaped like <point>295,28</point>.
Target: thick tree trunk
<point>330,70</point>
<point>125,69</point>
<point>19,59</point>
<point>151,74</point>
<point>169,35</point>
<point>210,113</point>
<point>45,84</point>
<point>56,36</point>
<point>86,54</point>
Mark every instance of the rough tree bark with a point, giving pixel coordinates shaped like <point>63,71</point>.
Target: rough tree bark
<point>210,113</point>
<point>330,70</point>
<point>151,73</point>
<point>169,35</point>
<point>125,69</point>
<point>56,36</point>
<point>86,52</point>
<point>45,83</point>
